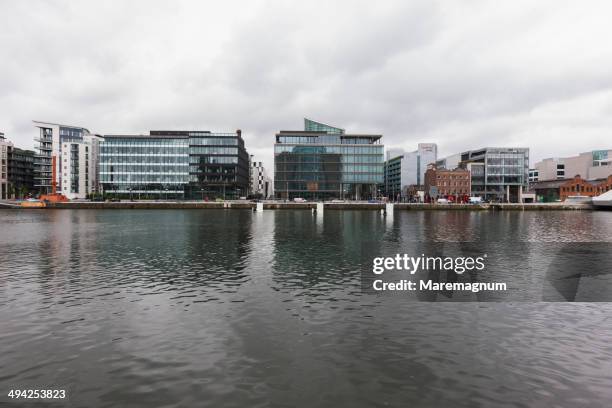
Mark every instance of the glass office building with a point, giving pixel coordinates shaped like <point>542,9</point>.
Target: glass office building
<point>218,164</point>
<point>327,164</point>
<point>175,164</point>
<point>498,174</point>
<point>143,166</point>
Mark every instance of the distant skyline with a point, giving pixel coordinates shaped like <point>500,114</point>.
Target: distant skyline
<point>464,76</point>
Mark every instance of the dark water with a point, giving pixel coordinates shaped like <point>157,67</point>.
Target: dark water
<point>231,308</point>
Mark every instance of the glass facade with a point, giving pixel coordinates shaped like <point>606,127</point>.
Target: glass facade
<point>392,183</point>
<point>175,164</point>
<point>498,174</point>
<point>320,165</point>
<point>144,166</point>
<point>218,166</point>
<point>312,126</point>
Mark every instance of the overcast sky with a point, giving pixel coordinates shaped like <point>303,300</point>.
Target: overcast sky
<point>533,74</point>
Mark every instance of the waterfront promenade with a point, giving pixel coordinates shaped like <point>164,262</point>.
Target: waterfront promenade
<point>281,205</point>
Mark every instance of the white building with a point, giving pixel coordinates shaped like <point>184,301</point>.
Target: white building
<point>260,181</point>
<point>4,145</point>
<point>404,169</point>
<point>593,165</point>
<point>450,162</point>
<point>74,151</point>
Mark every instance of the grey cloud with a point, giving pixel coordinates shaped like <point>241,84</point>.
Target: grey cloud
<point>484,73</point>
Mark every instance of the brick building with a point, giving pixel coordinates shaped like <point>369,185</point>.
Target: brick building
<point>453,184</point>
<point>581,187</point>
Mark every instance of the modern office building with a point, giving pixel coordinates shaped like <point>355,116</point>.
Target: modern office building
<point>171,164</point>
<point>218,165</point>
<point>4,147</point>
<point>405,169</point>
<point>261,184</point>
<point>498,173</point>
<point>144,166</point>
<point>324,162</point>
<point>392,178</point>
<point>69,152</point>
<point>20,172</point>
<point>596,164</point>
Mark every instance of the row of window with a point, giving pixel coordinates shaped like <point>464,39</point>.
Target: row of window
<point>131,178</point>
<point>144,151</point>
<point>329,167</point>
<point>143,169</point>
<point>345,158</point>
<point>213,141</point>
<point>325,139</point>
<point>143,160</point>
<point>212,169</point>
<point>506,161</point>
<point>213,159</point>
<point>213,150</point>
<point>146,142</point>
<point>499,180</point>
<point>345,177</point>
<point>329,149</point>
<point>212,179</point>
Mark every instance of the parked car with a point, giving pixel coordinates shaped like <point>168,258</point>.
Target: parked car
<point>299,200</point>
<point>475,200</point>
<point>443,201</point>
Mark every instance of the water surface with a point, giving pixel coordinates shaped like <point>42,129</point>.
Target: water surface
<point>234,308</point>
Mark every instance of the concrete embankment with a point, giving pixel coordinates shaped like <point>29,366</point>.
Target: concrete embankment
<point>311,205</point>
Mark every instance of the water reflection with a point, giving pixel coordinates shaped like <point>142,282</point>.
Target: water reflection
<point>235,308</point>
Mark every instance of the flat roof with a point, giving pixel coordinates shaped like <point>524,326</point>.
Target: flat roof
<point>165,136</point>
<point>59,124</point>
<point>312,133</point>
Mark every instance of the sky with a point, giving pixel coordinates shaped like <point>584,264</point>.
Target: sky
<point>464,75</point>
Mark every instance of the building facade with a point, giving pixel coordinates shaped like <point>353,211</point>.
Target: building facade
<point>581,187</point>
<point>261,184</point>
<point>218,165</point>
<point>69,153</point>
<point>449,162</point>
<point>20,172</point>
<point>4,182</point>
<point>596,164</point>
<point>79,166</point>
<point>144,167</point>
<point>326,163</point>
<point>168,164</point>
<point>403,170</point>
<point>392,178</point>
<point>497,174</point>
<point>451,184</point>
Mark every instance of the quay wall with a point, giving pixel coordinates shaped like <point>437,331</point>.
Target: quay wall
<point>312,205</point>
